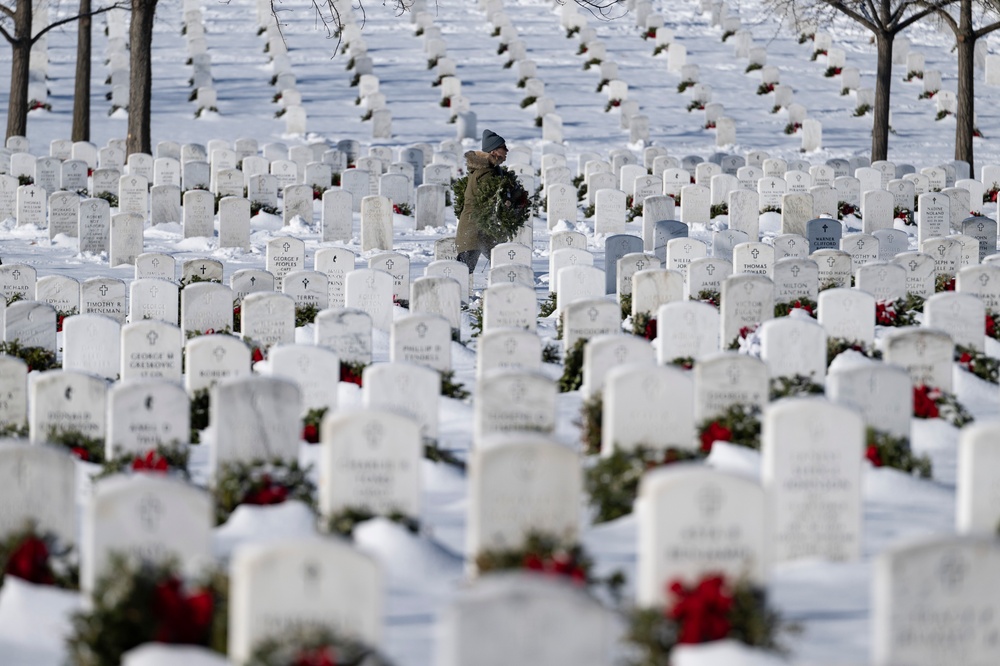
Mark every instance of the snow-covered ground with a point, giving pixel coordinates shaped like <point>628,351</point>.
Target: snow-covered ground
<point>830,601</point>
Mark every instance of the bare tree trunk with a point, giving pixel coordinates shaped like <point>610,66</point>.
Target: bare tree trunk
<point>17,104</point>
<point>81,89</point>
<point>965,43</point>
<point>140,77</point>
<point>965,112</point>
<point>883,85</point>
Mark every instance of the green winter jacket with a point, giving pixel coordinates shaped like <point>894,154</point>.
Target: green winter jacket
<point>478,164</point>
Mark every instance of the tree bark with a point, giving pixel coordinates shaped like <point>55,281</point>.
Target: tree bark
<point>81,89</point>
<point>965,43</point>
<point>140,77</point>
<point>20,65</point>
<point>883,86</point>
<point>965,111</point>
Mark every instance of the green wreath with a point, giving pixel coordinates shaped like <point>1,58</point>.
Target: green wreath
<point>501,206</point>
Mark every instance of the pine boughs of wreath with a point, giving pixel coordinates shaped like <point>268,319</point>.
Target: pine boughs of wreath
<point>501,207</point>
<point>540,552</point>
<point>137,603</point>
<point>738,424</point>
<point>884,450</point>
<point>37,358</point>
<point>458,192</point>
<point>709,296</point>
<point>551,353</point>
<point>163,459</point>
<point>344,521</point>
<point>912,303</point>
<point>436,454</point>
<point>837,346</point>
<point>740,340</point>
<point>200,400</point>
<point>190,334</point>
<point>805,304</point>
<point>61,317</point>
<point>625,302</point>
<point>712,609</point>
<point>592,423</point>
<point>315,646</point>
<point>39,558</point>
<point>893,313</point>
<point>548,306</point>
<point>311,423</point>
<point>261,482</point>
<point>683,362</point>
<point>88,449</point>
<point>476,313</point>
<point>933,403</point>
<point>305,314</point>
<point>352,372</point>
<point>15,430</point>
<point>451,388</point>
<point>612,483</point>
<point>644,325</point>
<point>786,387</point>
<point>944,282</point>
<point>985,367</point>
<point>572,376</point>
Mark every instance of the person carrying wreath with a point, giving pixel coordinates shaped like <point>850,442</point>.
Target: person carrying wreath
<point>492,204</point>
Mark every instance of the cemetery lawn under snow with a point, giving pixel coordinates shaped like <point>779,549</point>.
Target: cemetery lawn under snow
<point>830,602</point>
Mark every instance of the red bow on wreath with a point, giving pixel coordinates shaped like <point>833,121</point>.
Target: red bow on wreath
<point>182,618</point>
<point>151,462</point>
<point>701,612</point>
<point>30,562</point>
<point>319,657</point>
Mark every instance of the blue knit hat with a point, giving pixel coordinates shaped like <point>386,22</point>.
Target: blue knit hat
<point>491,141</point>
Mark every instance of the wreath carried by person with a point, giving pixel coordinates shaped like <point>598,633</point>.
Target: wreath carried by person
<point>501,206</point>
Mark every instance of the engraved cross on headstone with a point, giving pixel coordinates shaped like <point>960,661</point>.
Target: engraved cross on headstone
<point>103,290</point>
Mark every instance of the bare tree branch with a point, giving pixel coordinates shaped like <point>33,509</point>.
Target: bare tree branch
<point>855,16</point>
<point>945,18</point>
<point>4,9</point>
<point>916,16</point>
<point>70,19</point>
<point>986,29</point>
<point>6,35</point>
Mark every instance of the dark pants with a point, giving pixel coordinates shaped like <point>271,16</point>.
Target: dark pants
<point>470,258</point>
